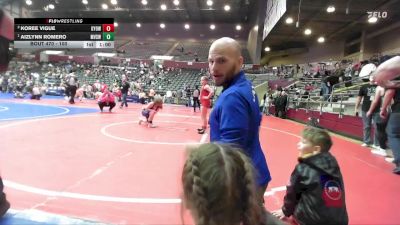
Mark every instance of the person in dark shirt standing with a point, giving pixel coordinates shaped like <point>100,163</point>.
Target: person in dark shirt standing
<point>281,105</point>
<point>72,87</point>
<point>366,92</point>
<point>325,90</point>
<point>187,95</point>
<point>393,127</point>
<point>196,94</point>
<point>124,90</point>
<point>388,75</point>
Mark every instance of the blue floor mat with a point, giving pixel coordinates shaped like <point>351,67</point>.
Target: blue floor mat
<point>36,217</point>
<point>27,96</point>
<point>20,111</point>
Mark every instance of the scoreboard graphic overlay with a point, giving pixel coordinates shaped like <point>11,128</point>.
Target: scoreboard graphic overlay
<point>64,33</point>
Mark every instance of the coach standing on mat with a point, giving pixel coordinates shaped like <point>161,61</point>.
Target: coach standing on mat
<point>6,35</point>
<point>236,117</point>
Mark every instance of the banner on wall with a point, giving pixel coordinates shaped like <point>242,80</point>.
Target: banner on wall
<point>275,10</point>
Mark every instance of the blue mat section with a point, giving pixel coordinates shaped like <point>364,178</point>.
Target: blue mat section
<point>20,111</point>
<point>35,217</point>
<point>27,96</point>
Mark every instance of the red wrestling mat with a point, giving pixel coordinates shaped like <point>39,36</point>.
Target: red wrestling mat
<point>107,168</point>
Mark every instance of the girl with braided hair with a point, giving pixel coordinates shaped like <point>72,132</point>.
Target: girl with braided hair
<point>220,189</point>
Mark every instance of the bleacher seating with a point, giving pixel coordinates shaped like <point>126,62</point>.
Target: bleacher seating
<point>145,49</point>
<point>189,51</point>
<point>176,81</point>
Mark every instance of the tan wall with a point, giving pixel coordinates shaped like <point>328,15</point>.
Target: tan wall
<point>385,43</point>
<point>389,42</point>
<point>316,53</point>
<point>354,57</point>
<point>370,49</point>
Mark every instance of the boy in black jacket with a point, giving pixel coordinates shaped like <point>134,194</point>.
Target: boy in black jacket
<point>315,194</point>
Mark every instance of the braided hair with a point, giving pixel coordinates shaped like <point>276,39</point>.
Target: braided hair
<point>219,187</point>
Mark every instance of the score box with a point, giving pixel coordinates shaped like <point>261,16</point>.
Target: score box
<point>108,36</point>
<point>108,27</point>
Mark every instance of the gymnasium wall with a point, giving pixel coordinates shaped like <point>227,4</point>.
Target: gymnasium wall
<point>386,43</point>
<point>187,65</point>
<point>176,31</point>
<point>389,42</point>
<point>370,49</point>
<point>316,53</point>
<point>350,126</point>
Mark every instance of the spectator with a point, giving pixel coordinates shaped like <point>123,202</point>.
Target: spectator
<point>315,193</point>
<point>168,96</point>
<point>385,75</point>
<point>365,93</point>
<point>187,95</point>
<point>124,91</point>
<point>381,123</point>
<point>367,69</point>
<point>196,94</point>
<point>36,94</point>
<point>280,103</point>
<point>72,87</point>
<point>19,90</point>
<point>142,97</point>
<point>387,72</point>
<point>152,93</point>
